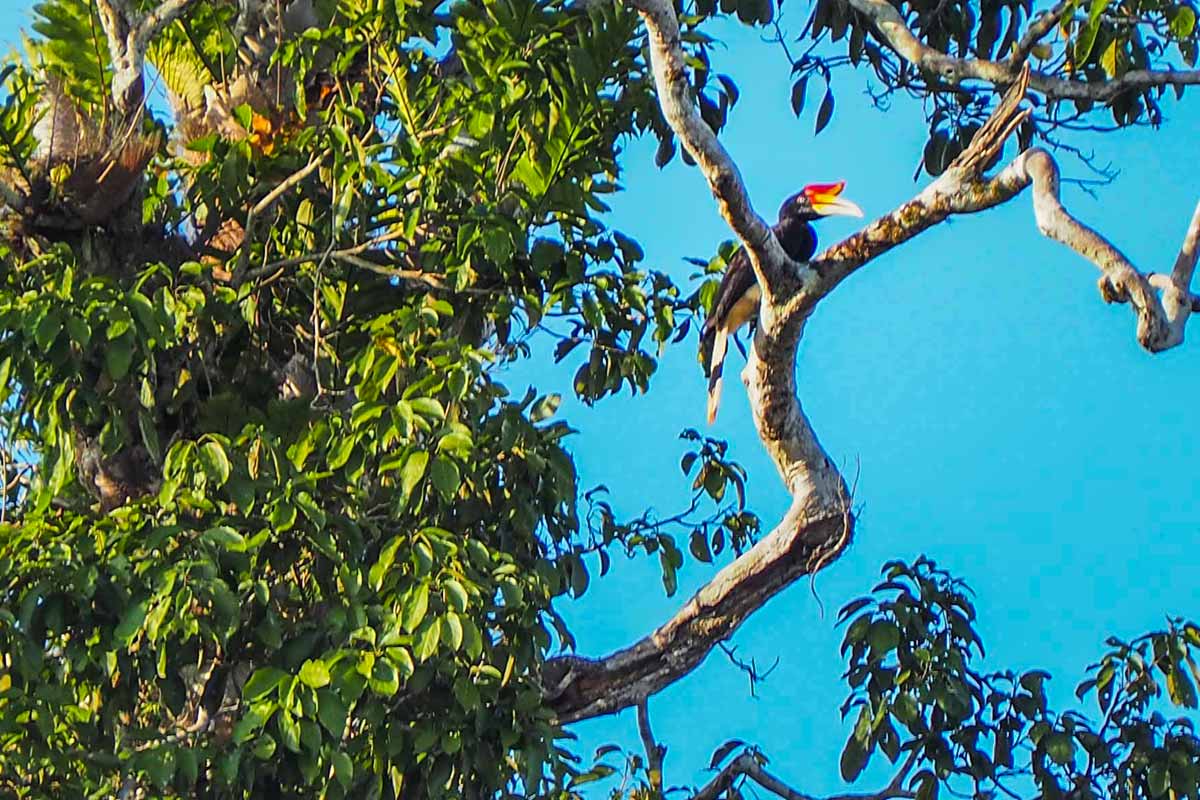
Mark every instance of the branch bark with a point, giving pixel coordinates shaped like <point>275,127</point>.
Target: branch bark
<point>895,33</point>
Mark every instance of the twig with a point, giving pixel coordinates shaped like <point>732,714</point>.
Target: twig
<point>358,249</point>
<point>654,751</point>
<point>265,203</point>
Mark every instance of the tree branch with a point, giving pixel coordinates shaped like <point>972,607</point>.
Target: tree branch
<point>961,190</point>
<point>654,751</point>
<point>895,34</point>
<point>748,765</point>
<point>724,179</point>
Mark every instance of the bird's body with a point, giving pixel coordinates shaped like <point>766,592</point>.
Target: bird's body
<point>739,295</point>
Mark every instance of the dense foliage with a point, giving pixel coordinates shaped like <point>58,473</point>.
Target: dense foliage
<point>271,521</point>
<point>271,526</point>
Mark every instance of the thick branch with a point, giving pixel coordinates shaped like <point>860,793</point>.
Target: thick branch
<point>896,34</point>
<point>724,179</point>
<point>747,764</point>
<point>1161,320</point>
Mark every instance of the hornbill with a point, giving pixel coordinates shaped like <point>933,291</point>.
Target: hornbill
<point>737,297</point>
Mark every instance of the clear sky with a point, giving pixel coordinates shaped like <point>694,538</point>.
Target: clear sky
<point>1005,421</point>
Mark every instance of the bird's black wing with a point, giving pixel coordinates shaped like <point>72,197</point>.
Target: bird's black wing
<point>736,281</point>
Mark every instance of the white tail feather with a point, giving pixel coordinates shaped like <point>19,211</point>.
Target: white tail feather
<point>716,366</point>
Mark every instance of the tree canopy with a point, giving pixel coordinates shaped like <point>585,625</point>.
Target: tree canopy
<point>272,525</point>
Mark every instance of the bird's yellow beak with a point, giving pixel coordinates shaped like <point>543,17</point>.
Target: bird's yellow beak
<point>826,200</point>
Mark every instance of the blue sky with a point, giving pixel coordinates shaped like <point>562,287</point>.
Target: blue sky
<point>1003,419</point>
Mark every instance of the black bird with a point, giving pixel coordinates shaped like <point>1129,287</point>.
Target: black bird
<point>738,296</point>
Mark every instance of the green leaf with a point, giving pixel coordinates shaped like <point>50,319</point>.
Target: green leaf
<point>452,631</point>
<point>1060,747</point>
<point>412,471</point>
<point>160,766</point>
<point>215,462</point>
<point>579,577</point>
<point>825,112</point>
<point>187,768</point>
<point>545,408</point>
<point>698,544</point>
<point>343,769</point>
<point>905,708</point>
<point>415,606</point>
<point>225,537</point>
<point>427,638</point>
<point>445,477</point>
<point>255,717</point>
<point>47,331</point>
<point>383,565</point>
<point>264,748</point>
<point>264,681</point>
<point>456,595</point>
<point>853,760</point>
<point>332,712</point>
<point>314,674</point>
<point>1159,779</point>
<point>883,637</point>
<point>799,89</point>
<point>1180,688</point>
<point>1183,22</point>
<point>118,356</point>
<point>130,624</point>
<point>428,407</point>
<point>289,730</point>
<point>403,661</point>
<point>385,679</point>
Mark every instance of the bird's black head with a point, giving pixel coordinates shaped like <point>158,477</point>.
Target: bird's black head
<point>818,200</point>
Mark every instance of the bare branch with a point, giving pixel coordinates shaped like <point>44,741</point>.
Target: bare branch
<point>748,765</point>
<point>654,751</point>
<point>961,190</point>
<point>1160,321</point>
<point>896,34</point>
